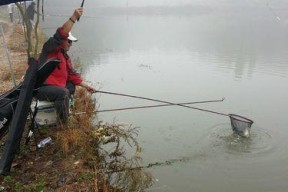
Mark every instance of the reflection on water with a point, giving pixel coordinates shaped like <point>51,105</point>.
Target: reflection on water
<point>120,170</point>
<point>220,141</point>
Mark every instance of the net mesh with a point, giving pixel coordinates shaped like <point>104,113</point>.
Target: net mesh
<point>241,125</point>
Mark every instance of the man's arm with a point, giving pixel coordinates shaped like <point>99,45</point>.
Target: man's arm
<point>67,26</point>
<point>60,34</point>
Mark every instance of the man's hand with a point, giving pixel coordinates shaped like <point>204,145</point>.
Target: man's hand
<point>77,13</point>
<point>67,26</point>
<point>88,87</point>
<point>91,89</point>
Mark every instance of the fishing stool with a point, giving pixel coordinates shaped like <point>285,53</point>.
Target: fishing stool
<point>43,113</point>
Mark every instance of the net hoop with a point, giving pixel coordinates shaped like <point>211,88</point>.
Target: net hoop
<point>241,125</point>
<point>240,118</point>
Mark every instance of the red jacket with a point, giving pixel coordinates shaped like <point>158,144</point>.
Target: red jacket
<point>64,72</point>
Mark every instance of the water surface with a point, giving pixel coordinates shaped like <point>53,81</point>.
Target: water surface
<point>189,53</point>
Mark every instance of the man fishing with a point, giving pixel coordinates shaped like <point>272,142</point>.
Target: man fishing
<point>60,85</point>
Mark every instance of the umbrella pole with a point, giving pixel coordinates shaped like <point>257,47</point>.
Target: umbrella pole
<point>8,55</point>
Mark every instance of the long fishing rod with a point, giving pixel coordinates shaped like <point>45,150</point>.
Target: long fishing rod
<point>82,4</point>
<point>150,106</point>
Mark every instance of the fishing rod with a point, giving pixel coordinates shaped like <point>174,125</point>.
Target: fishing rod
<point>151,106</point>
<point>82,4</point>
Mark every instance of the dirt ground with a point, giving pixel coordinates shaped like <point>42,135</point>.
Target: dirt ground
<point>12,54</point>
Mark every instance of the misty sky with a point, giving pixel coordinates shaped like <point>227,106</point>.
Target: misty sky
<point>151,2</point>
<point>144,3</point>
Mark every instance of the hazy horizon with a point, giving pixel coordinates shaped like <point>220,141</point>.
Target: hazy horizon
<point>165,3</point>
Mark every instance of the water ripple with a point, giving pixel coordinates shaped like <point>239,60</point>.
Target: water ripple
<point>222,140</point>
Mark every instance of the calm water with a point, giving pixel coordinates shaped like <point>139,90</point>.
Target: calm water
<point>191,53</point>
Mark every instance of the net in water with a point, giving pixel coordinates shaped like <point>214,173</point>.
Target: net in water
<point>241,125</point>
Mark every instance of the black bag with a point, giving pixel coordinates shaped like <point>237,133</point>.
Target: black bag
<point>7,108</point>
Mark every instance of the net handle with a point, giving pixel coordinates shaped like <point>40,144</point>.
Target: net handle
<point>162,101</point>
<point>231,116</point>
<point>159,105</point>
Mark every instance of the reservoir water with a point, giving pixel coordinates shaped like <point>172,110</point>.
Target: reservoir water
<point>199,50</point>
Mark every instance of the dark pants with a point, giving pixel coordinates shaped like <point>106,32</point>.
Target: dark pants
<point>60,96</point>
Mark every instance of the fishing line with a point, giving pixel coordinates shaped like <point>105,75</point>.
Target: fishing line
<point>151,165</point>
<point>85,16</point>
<point>272,11</point>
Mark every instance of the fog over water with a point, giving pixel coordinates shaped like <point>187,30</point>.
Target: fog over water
<point>181,51</point>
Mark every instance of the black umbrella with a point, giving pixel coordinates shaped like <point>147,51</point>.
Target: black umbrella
<point>5,2</point>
